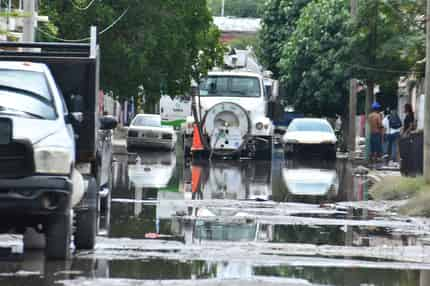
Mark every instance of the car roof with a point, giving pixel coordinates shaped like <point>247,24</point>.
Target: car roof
<point>24,66</point>
<point>147,115</point>
<point>311,120</point>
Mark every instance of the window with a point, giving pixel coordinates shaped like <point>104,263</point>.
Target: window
<point>231,86</point>
<point>26,92</point>
<point>309,125</point>
<point>150,121</point>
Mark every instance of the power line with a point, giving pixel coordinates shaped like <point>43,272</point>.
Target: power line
<point>86,38</point>
<point>82,8</point>
<point>369,68</point>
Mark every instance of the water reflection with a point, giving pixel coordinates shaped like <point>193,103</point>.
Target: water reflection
<point>239,180</point>
<point>33,269</point>
<point>152,170</point>
<point>313,179</point>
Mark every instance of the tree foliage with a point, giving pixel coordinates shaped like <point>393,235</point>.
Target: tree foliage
<point>315,47</point>
<point>278,24</point>
<point>387,39</point>
<point>159,45</point>
<point>312,64</point>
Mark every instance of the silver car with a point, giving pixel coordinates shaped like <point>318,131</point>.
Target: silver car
<point>146,131</point>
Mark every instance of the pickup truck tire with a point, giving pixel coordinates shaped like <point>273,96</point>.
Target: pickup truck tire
<point>58,237</point>
<point>86,219</point>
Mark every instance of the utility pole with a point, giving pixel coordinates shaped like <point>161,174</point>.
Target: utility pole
<point>29,20</point>
<point>427,101</point>
<point>222,8</point>
<point>352,100</point>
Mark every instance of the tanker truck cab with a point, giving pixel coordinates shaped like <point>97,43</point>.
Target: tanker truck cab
<point>50,177</point>
<point>232,108</point>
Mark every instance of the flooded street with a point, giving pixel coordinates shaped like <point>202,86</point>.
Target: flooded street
<point>238,223</point>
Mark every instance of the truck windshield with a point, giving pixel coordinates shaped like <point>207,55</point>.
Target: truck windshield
<point>231,86</point>
<point>27,93</point>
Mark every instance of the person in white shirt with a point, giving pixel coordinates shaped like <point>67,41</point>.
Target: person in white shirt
<point>392,126</point>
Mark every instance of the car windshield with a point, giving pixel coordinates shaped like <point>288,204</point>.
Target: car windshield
<point>311,125</point>
<point>231,86</point>
<point>150,121</point>
<point>26,93</point>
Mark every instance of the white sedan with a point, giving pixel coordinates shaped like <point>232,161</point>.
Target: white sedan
<point>146,131</point>
<point>310,136</point>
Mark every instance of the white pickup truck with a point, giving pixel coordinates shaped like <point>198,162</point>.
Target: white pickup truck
<point>55,151</point>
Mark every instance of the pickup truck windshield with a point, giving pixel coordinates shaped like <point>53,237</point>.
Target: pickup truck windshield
<point>25,93</point>
<point>231,86</point>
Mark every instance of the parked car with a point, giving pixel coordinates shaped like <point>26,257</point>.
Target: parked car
<point>146,131</point>
<point>310,136</point>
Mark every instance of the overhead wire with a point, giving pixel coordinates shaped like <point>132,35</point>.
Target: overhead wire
<point>369,68</point>
<point>82,8</point>
<point>86,38</point>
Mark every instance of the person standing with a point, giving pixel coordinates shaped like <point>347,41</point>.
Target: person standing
<point>386,125</point>
<point>409,121</point>
<point>392,126</point>
<point>376,132</point>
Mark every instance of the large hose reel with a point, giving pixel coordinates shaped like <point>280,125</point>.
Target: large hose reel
<point>227,127</point>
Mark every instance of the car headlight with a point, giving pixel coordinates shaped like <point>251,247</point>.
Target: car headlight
<point>259,125</point>
<point>52,160</point>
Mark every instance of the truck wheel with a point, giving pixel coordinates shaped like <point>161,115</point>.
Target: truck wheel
<point>105,202</point>
<point>265,153</point>
<point>86,229</point>
<point>58,236</point>
<point>86,219</point>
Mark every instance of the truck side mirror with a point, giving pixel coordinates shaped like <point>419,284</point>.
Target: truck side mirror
<point>108,122</point>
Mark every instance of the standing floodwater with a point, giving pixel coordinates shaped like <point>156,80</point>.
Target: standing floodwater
<point>279,222</point>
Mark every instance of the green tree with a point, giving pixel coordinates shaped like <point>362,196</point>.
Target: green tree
<point>278,23</point>
<point>387,41</point>
<point>313,62</point>
<point>159,45</point>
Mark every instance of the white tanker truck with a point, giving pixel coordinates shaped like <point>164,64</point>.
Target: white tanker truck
<point>231,109</point>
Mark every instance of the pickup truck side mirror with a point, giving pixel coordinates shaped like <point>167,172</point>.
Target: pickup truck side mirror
<point>108,122</point>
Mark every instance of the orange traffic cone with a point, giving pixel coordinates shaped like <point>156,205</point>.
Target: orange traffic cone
<point>197,142</point>
<point>196,173</point>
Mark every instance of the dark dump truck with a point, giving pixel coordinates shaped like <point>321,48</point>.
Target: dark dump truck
<point>55,149</point>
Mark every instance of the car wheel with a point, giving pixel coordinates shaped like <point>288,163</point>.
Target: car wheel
<point>58,237</point>
<point>331,153</point>
<point>86,219</point>
<point>289,151</point>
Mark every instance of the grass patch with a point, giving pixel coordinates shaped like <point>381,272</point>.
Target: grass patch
<point>397,188</point>
<point>401,188</point>
<point>419,205</point>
